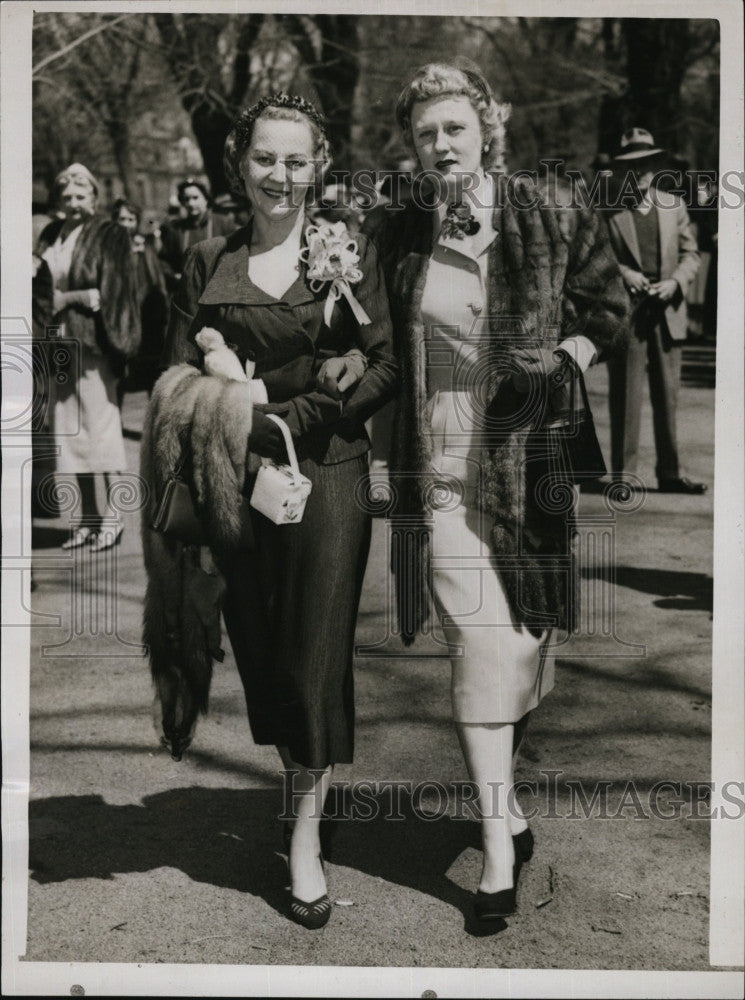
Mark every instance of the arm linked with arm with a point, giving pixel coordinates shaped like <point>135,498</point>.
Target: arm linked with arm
<point>378,383</point>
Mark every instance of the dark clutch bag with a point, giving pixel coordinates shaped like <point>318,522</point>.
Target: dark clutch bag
<point>177,518</point>
<point>569,430</point>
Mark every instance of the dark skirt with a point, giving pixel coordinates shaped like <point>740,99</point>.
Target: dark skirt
<point>291,611</point>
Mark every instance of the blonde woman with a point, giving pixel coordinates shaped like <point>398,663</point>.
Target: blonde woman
<point>490,290</point>
<point>95,303</point>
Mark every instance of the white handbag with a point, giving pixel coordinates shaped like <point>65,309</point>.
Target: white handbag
<point>280,491</point>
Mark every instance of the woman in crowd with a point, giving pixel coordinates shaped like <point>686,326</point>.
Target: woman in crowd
<point>143,370</point>
<point>291,604</point>
<point>198,222</point>
<point>491,290</point>
<point>94,303</point>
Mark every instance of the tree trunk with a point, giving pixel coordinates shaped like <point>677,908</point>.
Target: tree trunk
<point>658,52</point>
<point>335,78</point>
<point>122,152</point>
<point>333,70</point>
<point>611,117</point>
<point>211,129</point>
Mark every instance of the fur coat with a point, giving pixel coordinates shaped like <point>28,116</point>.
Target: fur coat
<point>102,259</point>
<point>551,274</point>
<point>203,421</point>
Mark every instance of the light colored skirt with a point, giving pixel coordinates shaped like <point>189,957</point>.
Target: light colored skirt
<point>87,421</point>
<point>499,671</point>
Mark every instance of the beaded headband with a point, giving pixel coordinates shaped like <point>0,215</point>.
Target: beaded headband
<point>245,121</point>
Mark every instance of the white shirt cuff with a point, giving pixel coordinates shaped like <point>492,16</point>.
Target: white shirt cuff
<point>258,391</point>
<point>581,349</point>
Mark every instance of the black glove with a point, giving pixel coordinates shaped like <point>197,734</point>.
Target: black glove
<point>266,438</point>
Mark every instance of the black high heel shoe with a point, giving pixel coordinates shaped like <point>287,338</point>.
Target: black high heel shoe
<point>524,842</point>
<point>490,906</point>
<point>313,916</point>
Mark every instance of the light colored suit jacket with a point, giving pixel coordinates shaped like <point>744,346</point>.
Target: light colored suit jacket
<point>679,257</point>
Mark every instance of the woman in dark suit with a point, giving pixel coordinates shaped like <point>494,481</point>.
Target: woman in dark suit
<point>291,605</point>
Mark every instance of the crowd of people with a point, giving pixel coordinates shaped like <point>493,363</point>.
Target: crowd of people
<point>451,312</point>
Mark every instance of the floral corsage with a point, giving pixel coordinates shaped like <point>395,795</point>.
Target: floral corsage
<point>459,221</point>
<point>332,255</point>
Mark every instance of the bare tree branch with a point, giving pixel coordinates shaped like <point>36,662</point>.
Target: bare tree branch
<point>77,41</point>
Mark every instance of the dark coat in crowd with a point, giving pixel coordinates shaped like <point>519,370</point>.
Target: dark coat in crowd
<point>177,235</point>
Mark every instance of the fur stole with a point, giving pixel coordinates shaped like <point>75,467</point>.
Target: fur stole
<point>205,420</point>
<point>103,259</point>
<point>551,273</point>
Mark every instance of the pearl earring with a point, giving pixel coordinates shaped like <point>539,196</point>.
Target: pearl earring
<point>486,147</point>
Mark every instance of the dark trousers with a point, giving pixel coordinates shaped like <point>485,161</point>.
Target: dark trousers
<point>652,349</point>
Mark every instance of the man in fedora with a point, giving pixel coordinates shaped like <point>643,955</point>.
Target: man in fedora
<point>658,258</point>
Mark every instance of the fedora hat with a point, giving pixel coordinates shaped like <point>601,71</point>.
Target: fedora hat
<point>637,143</point>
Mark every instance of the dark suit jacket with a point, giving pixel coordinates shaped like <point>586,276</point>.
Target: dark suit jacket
<point>288,340</point>
<point>679,258</point>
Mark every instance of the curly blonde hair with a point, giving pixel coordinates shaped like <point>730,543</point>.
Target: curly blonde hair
<point>463,78</point>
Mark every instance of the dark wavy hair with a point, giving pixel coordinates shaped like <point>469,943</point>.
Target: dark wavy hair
<point>121,203</point>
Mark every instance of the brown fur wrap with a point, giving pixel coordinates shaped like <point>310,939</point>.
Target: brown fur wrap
<point>102,259</point>
<point>205,420</point>
<point>551,274</point>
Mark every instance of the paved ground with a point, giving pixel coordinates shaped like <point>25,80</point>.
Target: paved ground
<point>135,858</point>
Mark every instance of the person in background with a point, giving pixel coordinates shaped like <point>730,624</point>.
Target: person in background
<point>95,305</point>
<point>658,257</point>
<point>144,369</point>
<point>198,223</point>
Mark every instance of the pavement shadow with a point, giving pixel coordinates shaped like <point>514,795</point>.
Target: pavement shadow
<point>232,839</point>
<point>48,536</point>
<point>224,837</point>
<point>679,590</point>
<point>384,836</point>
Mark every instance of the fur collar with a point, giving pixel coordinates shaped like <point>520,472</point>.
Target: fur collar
<point>551,273</point>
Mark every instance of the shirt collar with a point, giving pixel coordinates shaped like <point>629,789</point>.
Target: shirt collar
<point>230,282</point>
<point>646,205</point>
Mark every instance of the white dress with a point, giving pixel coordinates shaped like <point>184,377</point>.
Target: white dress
<point>86,419</point>
<point>499,671</point>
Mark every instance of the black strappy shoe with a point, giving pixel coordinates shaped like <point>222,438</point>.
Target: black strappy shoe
<point>313,916</point>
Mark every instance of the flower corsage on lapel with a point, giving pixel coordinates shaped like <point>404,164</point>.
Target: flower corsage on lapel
<point>459,222</point>
<point>332,255</point>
